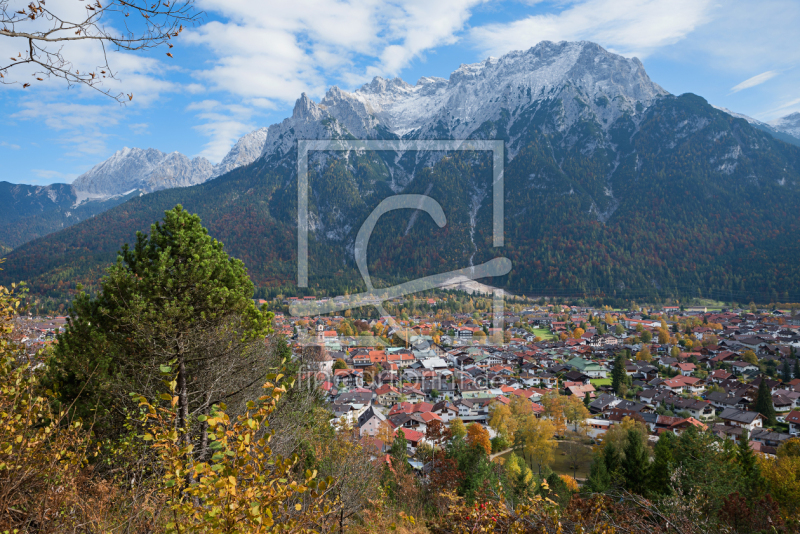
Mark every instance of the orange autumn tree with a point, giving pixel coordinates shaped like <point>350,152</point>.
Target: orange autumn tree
<point>477,436</point>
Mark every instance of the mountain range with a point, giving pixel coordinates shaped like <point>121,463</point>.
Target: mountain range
<point>34,211</point>
<point>613,187</point>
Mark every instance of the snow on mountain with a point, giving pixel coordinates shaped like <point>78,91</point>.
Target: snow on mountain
<point>587,80</point>
<point>151,170</point>
<point>748,118</point>
<point>146,170</point>
<point>478,92</point>
<point>176,170</point>
<point>790,124</point>
<point>244,152</point>
<point>786,129</point>
<point>123,171</point>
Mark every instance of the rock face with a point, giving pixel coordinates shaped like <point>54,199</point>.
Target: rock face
<point>128,169</point>
<point>244,152</point>
<point>176,170</point>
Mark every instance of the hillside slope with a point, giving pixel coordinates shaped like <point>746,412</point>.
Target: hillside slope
<point>30,211</point>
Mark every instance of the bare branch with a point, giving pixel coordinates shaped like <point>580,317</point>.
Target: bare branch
<point>46,32</point>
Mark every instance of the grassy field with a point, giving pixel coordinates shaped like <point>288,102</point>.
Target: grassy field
<point>561,462</point>
<point>543,333</point>
<point>596,382</point>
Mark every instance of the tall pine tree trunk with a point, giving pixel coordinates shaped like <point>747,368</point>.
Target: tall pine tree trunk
<point>183,401</point>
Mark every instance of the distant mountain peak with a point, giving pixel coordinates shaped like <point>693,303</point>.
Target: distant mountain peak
<point>149,170</point>
<point>786,129</point>
<point>382,85</point>
<point>790,124</point>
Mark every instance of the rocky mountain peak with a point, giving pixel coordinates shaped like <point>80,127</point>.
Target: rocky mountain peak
<point>245,151</point>
<point>606,85</point>
<point>149,170</point>
<point>305,109</point>
<point>382,85</point>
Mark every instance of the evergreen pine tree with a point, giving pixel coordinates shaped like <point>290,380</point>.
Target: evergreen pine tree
<point>636,463</point>
<point>399,451</point>
<point>787,370</point>
<point>658,479</point>
<point>763,402</point>
<point>797,368</point>
<point>752,481</point>
<point>599,478</point>
<point>587,400</point>
<point>613,461</point>
<point>173,302</point>
<point>618,374</point>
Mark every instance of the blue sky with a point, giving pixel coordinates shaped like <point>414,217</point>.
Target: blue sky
<point>247,62</point>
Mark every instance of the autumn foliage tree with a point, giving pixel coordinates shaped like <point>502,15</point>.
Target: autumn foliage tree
<point>535,436</point>
<point>501,420</point>
<point>478,437</point>
<point>244,486</point>
<point>554,410</point>
<point>457,428</point>
<point>575,412</point>
<point>46,484</point>
<point>782,475</point>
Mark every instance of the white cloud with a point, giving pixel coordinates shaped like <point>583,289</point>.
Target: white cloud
<point>630,27</point>
<point>140,128</point>
<point>83,128</point>
<point>746,39</point>
<point>755,80</point>
<point>224,124</point>
<point>52,176</point>
<point>301,46</point>
<point>12,146</point>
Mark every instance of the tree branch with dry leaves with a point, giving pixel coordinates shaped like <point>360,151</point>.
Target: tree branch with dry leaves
<point>43,33</point>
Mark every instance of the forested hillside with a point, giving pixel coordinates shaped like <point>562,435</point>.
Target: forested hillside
<point>29,211</point>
